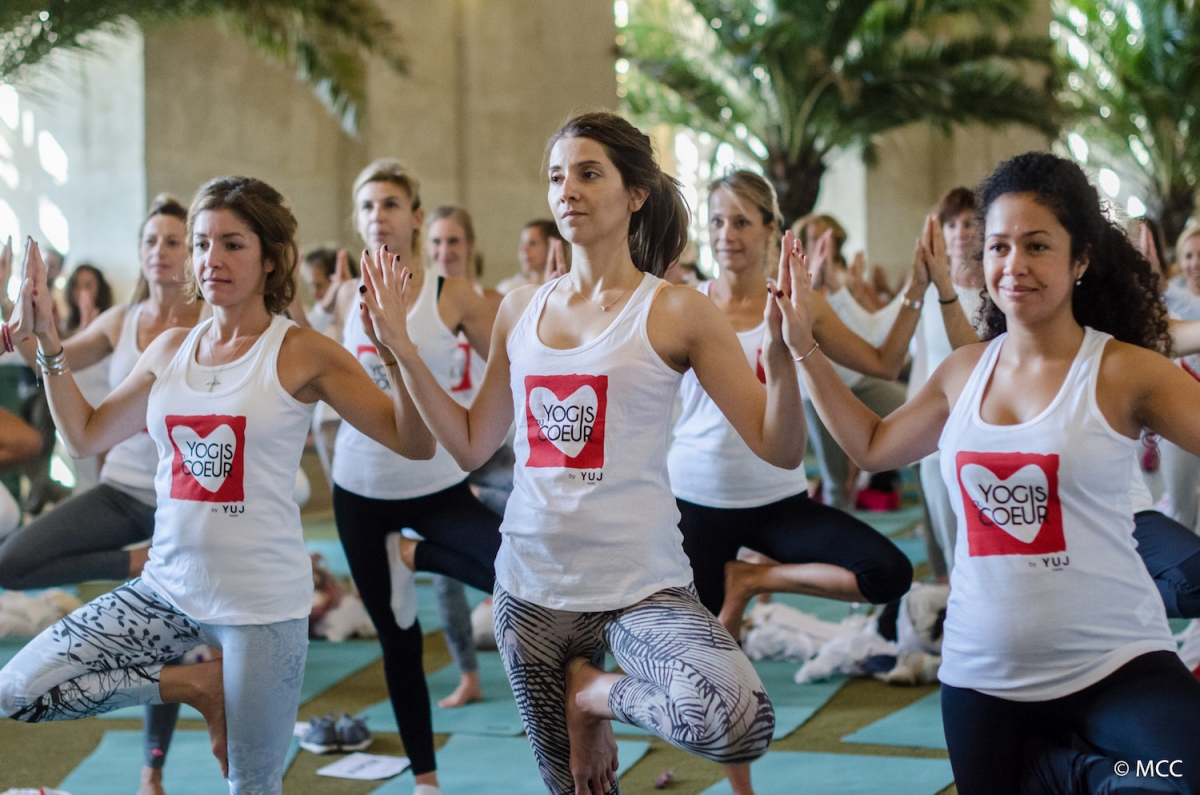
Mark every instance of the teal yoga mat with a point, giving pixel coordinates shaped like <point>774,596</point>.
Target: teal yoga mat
<point>335,556</point>
<point>892,522</point>
<point>9,646</point>
<point>328,663</point>
<point>115,767</point>
<point>919,725</point>
<point>497,716</point>
<point>469,763</point>
<point>798,773</point>
<point>794,704</point>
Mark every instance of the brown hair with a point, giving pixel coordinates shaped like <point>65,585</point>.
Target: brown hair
<point>163,204</point>
<point>546,226</point>
<point>954,202</point>
<point>463,218</point>
<point>658,230</point>
<point>270,217</point>
<point>802,226</point>
<point>104,296</point>
<point>389,169</point>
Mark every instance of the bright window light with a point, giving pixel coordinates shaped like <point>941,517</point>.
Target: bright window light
<point>1078,147</point>
<point>27,128</point>
<point>1135,208</point>
<point>621,13</point>
<point>54,225</point>
<point>9,175</point>
<point>1110,183</point>
<point>10,106</point>
<point>52,157</point>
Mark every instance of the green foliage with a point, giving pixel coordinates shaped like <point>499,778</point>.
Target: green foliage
<point>321,39</point>
<point>1131,90</point>
<point>790,82</point>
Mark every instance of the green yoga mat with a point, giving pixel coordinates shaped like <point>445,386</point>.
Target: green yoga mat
<point>496,717</point>
<point>496,764</point>
<point>892,522</point>
<point>919,725</point>
<point>794,704</point>
<point>327,664</point>
<point>798,773</point>
<point>115,767</point>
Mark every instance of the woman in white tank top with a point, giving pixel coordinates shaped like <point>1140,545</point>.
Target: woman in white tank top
<point>227,405</point>
<point>85,537</point>
<point>1054,628</point>
<point>589,364</point>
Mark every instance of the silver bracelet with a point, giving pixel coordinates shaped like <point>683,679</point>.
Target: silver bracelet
<point>53,365</point>
<point>811,351</point>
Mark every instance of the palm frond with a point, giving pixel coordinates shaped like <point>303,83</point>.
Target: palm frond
<point>323,40</point>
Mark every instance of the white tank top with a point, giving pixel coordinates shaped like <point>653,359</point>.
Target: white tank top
<point>591,524</point>
<point>228,547</point>
<point>133,462</point>
<point>709,463</point>
<point>364,466</point>
<point>1048,594</point>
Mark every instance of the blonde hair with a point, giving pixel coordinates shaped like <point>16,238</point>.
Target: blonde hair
<point>1190,230</point>
<point>163,204</point>
<point>461,217</point>
<point>269,216</point>
<point>760,193</point>
<point>389,169</point>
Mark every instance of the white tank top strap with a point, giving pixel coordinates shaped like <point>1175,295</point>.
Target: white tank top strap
<point>132,462</point>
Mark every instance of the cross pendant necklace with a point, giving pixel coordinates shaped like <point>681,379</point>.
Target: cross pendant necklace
<point>214,382</point>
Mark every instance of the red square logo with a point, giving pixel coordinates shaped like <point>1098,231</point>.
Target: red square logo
<point>460,368</point>
<point>759,370</point>
<point>1011,503</point>
<point>564,420</point>
<point>208,464</point>
<point>368,357</point>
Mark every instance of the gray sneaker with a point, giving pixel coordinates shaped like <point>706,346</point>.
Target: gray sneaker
<point>352,733</point>
<point>321,736</point>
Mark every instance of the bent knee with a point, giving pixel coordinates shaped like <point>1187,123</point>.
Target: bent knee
<point>887,581</point>
<point>746,737</point>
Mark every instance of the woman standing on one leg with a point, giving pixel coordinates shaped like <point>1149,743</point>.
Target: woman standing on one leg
<point>727,496</point>
<point>227,405</point>
<point>85,537</point>
<point>1038,431</point>
<point>377,493</point>
<point>592,559</point>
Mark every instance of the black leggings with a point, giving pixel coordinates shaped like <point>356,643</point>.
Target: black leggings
<point>1171,553</point>
<point>1145,711</point>
<point>461,540</point>
<point>795,529</point>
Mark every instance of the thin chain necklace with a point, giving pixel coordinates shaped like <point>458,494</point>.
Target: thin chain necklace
<point>603,307</point>
<point>216,370</point>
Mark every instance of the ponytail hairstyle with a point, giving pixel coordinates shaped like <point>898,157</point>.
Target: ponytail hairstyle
<point>463,218</point>
<point>270,217</point>
<point>389,169</point>
<point>163,204</point>
<point>760,193</point>
<point>1118,293</point>
<point>657,231</point>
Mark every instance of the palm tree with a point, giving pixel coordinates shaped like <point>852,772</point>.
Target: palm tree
<point>791,82</point>
<point>322,39</point>
<point>1132,90</point>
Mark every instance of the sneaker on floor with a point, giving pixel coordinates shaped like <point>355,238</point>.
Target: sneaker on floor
<point>321,736</point>
<point>352,733</point>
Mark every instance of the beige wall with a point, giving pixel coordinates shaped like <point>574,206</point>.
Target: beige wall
<point>489,80</point>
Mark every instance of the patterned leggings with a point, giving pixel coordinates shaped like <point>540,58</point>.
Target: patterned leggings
<point>686,680</point>
<point>109,654</point>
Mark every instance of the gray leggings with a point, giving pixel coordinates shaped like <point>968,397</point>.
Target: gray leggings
<point>82,540</point>
<point>110,653</point>
<point>686,679</point>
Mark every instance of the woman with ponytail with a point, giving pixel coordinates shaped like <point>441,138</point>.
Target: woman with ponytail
<point>591,559</point>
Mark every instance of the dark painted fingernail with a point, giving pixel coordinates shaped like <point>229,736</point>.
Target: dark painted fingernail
<point>362,288</point>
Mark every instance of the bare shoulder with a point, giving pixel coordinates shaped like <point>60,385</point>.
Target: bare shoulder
<point>952,374</point>
<point>1131,367</point>
<point>514,305</point>
<point>163,348</point>
<point>685,308</point>
<point>304,344</point>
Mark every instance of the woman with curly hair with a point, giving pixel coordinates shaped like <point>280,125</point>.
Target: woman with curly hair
<point>1055,636</point>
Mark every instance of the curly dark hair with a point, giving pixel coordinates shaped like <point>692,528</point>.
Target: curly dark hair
<point>1118,293</point>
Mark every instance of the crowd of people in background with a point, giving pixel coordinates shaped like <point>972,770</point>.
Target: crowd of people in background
<point>610,442</point>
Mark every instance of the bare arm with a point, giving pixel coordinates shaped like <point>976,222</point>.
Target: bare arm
<point>19,441</point>
<point>1185,336</point>
<point>846,348</point>
<point>933,250</point>
<point>90,345</point>
<point>1161,395</point>
<point>314,367</point>
<point>469,435</point>
<point>470,313</point>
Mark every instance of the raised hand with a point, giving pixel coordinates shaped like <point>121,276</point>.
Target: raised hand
<point>1145,244</point>
<point>34,309</point>
<point>937,260</point>
<point>6,258</point>
<point>386,298</point>
<point>789,305</point>
<point>556,261</point>
<point>920,266</point>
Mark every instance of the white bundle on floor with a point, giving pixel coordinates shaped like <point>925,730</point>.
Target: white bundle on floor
<point>775,631</point>
<point>481,625</point>
<point>348,619</point>
<point>26,615</point>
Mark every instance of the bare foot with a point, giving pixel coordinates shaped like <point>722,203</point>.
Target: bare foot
<point>468,692</point>
<point>738,593</point>
<point>593,746</point>
<point>151,782</point>
<point>210,702</point>
<point>137,560</point>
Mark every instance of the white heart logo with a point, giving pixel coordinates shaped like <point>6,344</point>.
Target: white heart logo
<point>1016,504</point>
<point>566,423</point>
<point>210,459</point>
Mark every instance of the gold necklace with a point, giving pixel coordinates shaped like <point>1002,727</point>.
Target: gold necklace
<point>216,370</point>
<point>603,307</point>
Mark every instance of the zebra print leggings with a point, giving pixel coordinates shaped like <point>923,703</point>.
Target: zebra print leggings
<point>686,680</point>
